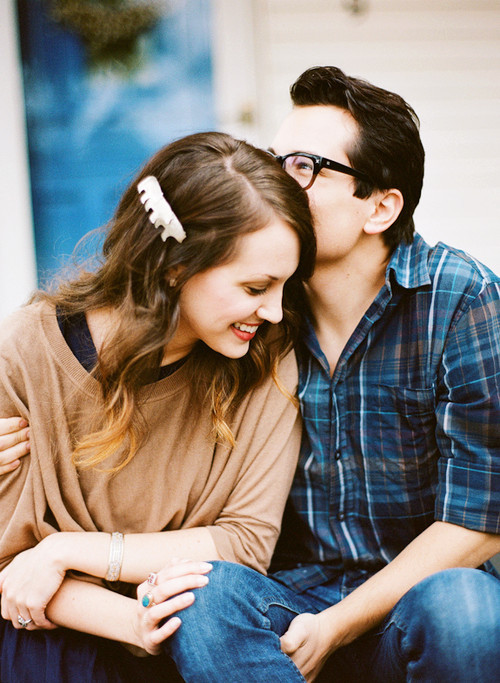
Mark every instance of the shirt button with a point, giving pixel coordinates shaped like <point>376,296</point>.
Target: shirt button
<point>338,454</point>
<point>341,516</point>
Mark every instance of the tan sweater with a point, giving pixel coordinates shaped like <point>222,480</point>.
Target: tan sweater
<point>180,478</point>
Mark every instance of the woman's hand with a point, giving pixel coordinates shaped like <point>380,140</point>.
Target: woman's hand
<point>166,594</point>
<point>14,442</point>
<point>28,584</point>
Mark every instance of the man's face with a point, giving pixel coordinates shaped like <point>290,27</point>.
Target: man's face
<point>339,216</point>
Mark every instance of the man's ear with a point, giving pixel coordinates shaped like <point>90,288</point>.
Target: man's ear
<point>387,207</point>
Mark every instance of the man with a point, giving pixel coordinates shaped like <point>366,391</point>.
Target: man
<point>397,494</point>
<point>399,475</point>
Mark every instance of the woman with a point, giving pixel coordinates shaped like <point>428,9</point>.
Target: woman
<point>161,425</point>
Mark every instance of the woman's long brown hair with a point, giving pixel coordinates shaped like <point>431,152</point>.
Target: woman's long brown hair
<point>220,189</point>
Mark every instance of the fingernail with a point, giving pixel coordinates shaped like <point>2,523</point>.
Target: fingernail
<point>188,597</point>
<point>206,566</point>
<point>203,580</point>
<point>22,423</point>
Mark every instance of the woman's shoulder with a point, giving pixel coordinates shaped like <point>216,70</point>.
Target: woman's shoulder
<point>21,328</point>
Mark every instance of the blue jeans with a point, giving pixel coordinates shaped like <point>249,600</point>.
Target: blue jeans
<point>447,628</point>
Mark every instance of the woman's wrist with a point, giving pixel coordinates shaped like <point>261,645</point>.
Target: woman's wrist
<point>56,547</point>
<point>83,551</point>
<point>115,559</point>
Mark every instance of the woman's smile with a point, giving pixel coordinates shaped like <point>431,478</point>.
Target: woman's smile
<point>245,331</point>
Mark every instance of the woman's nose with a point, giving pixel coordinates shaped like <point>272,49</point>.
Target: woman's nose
<point>271,308</point>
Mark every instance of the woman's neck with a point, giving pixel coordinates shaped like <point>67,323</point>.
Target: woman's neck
<point>101,322</point>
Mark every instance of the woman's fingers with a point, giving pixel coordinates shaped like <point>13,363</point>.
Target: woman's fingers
<point>157,626</point>
<point>150,595</point>
<point>163,595</point>
<point>173,579</point>
<point>14,442</point>
<point>181,568</point>
<point>166,609</point>
<point>24,617</point>
<point>27,584</point>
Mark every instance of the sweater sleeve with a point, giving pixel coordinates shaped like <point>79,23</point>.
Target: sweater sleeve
<point>268,442</point>
<point>17,509</point>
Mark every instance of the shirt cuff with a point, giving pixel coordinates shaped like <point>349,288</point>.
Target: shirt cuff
<point>468,495</point>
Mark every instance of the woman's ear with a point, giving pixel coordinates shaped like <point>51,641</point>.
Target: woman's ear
<point>173,275</point>
<point>387,207</point>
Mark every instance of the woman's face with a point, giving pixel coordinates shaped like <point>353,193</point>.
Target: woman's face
<point>225,305</point>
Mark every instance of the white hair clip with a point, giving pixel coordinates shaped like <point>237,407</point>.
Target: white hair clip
<point>161,212</point>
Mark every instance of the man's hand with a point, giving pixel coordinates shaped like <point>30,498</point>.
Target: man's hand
<point>14,443</point>
<point>305,644</point>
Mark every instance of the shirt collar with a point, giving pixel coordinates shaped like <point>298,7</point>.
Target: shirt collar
<point>409,263</point>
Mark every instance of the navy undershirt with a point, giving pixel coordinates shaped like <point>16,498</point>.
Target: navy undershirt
<point>76,332</point>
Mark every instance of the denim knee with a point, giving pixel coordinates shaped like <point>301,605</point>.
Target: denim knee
<point>460,602</point>
<point>450,626</point>
<point>228,632</point>
<point>227,589</point>
<point>234,595</point>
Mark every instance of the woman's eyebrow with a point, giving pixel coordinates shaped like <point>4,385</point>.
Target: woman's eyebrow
<point>262,276</point>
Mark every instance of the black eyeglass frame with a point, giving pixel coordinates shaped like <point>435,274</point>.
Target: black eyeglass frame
<point>322,162</point>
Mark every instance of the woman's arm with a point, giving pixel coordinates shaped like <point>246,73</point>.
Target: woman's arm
<point>14,443</point>
<point>30,582</point>
<point>88,552</point>
<point>92,609</point>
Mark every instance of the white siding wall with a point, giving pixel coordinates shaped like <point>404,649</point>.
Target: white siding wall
<point>443,56</point>
<point>17,260</point>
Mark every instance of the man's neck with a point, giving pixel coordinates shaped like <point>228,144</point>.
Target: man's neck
<point>340,293</point>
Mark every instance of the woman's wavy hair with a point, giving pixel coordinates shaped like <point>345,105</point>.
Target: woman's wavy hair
<point>220,189</point>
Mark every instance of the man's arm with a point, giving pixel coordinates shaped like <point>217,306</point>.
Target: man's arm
<point>310,639</point>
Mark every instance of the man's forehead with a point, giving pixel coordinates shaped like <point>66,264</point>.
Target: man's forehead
<point>322,130</point>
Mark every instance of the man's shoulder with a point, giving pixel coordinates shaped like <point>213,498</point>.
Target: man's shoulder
<point>454,270</point>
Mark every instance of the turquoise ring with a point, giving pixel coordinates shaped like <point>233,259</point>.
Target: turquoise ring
<point>147,600</point>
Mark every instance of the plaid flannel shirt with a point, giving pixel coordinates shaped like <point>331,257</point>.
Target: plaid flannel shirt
<point>407,431</point>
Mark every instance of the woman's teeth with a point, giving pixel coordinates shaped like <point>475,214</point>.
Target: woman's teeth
<point>246,328</point>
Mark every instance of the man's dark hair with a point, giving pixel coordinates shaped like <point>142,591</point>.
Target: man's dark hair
<point>388,148</point>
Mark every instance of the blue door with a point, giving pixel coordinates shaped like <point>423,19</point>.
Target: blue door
<point>94,118</point>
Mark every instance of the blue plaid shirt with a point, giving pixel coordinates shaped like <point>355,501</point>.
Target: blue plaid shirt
<point>407,431</point>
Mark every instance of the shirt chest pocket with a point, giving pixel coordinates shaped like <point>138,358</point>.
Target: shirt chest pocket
<point>411,406</point>
<point>402,423</point>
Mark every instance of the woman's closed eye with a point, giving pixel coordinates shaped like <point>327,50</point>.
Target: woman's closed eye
<point>257,291</point>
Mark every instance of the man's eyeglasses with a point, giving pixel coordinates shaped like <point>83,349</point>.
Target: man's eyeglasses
<point>304,167</point>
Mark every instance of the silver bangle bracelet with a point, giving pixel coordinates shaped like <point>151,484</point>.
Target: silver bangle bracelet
<point>115,556</point>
